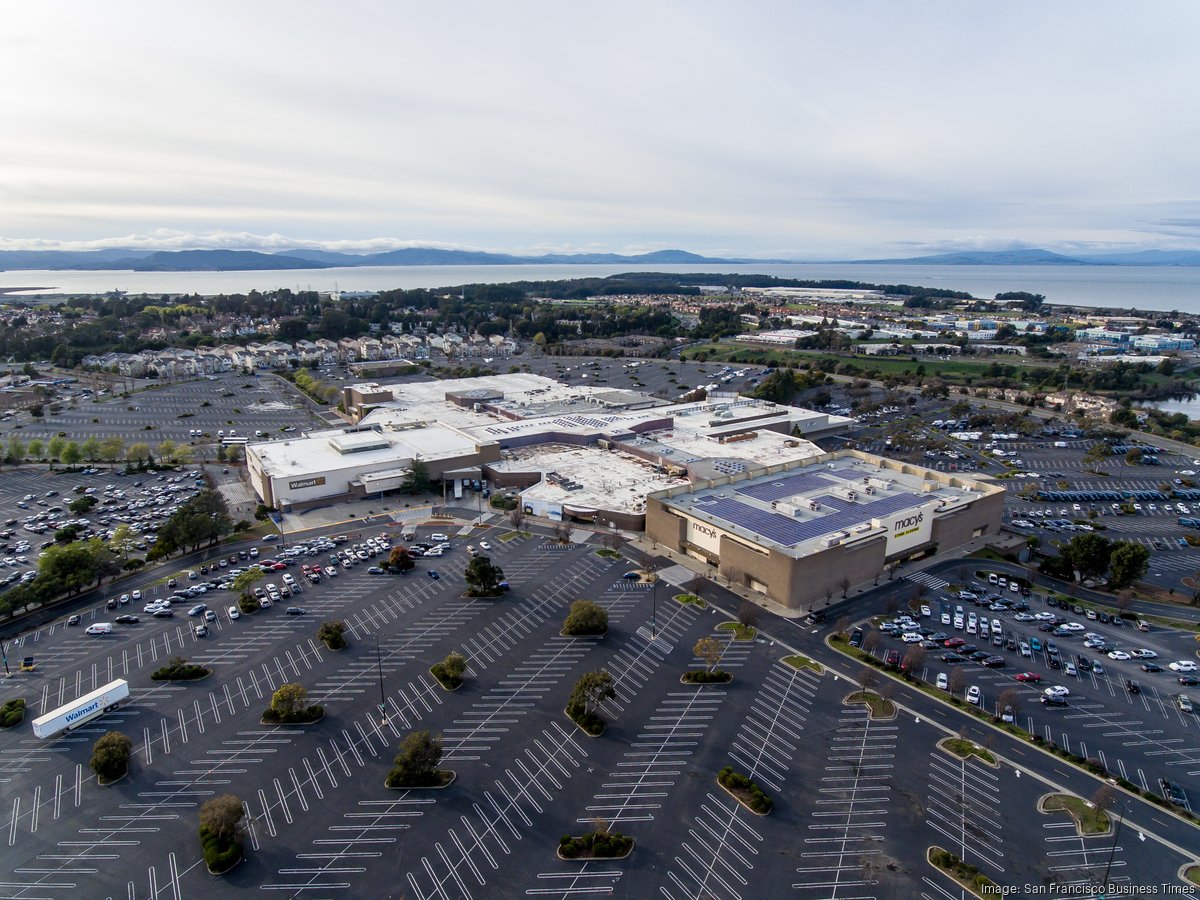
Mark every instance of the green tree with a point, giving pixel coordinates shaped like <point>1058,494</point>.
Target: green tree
<point>1128,562</point>
<point>71,455</point>
<point>288,700</point>
<point>123,540</point>
<point>54,448</point>
<point>138,453</point>
<point>111,449</point>
<point>590,690</point>
<point>16,448</point>
<point>110,755</point>
<point>37,449</point>
<point>1097,453</point>
<point>90,449</point>
<point>483,578</point>
<point>1134,456</point>
<point>450,670</point>
<point>75,565</point>
<point>416,765</point>
<point>222,816</point>
<point>586,617</point>
<point>204,518</point>
<point>81,505</point>
<point>332,634</point>
<point>244,583</point>
<point>417,480</point>
<point>1088,554</point>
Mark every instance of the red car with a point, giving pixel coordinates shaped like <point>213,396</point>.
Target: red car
<point>953,642</point>
<point>1032,677</point>
<point>317,569</point>
<point>305,568</point>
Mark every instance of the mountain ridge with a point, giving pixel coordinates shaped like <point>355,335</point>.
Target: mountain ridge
<point>254,260</point>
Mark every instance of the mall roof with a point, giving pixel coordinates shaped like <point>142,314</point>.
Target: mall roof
<point>814,506</point>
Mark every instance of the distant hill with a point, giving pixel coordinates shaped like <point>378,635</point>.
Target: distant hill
<point>990,258</point>
<point>249,260</point>
<point>212,261</point>
<point>1148,258</point>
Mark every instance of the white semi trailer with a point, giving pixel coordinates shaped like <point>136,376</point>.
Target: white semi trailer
<point>83,710</point>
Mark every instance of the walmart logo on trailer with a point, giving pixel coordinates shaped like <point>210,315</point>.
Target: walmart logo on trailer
<point>90,708</point>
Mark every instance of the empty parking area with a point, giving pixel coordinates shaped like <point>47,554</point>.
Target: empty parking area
<point>856,801</point>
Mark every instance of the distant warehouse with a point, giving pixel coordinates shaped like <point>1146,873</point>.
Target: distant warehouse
<point>805,531</point>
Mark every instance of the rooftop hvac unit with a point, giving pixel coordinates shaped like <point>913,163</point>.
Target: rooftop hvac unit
<point>814,505</point>
<point>870,489</point>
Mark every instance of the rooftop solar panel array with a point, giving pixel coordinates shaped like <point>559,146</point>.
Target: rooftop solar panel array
<point>789,532</point>
<point>786,487</point>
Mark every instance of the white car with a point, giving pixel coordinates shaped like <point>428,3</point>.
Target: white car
<point>484,545</point>
<point>911,637</point>
<point>925,610</point>
<point>234,612</point>
<point>1118,654</point>
<point>1057,691</point>
<point>945,620</point>
<point>1024,617</point>
<point>1043,616</point>
<point>974,696</point>
<point>1183,665</point>
<point>1143,653</point>
<point>438,537</point>
<point>943,681</point>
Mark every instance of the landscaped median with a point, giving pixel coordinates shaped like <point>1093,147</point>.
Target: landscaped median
<point>964,749</point>
<point>964,874</point>
<point>837,642</point>
<point>878,706</point>
<point>800,661</point>
<point>1089,819</point>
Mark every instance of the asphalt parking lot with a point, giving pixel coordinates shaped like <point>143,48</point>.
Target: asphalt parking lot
<point>1141,736</point>
<point>246,403</point>
<point>857,800</point>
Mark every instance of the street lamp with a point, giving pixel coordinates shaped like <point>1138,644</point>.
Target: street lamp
<point>1112,852</point>
<point>383,716</point>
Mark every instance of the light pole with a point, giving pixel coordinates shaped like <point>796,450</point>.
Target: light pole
<point>654,605</point>
<point>383,716</point>
<point>1112,852</point>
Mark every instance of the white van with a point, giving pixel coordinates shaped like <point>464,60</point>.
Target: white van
<point>99,628</point>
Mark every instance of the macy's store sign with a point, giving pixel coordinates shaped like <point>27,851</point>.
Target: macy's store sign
<point>909,529</point>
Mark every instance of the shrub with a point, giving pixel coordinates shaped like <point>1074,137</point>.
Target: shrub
<point>449,672</point>
<point>288,708</point>
<point>716,676</point>
<point>332,634</point>
<point>12,713</point>
<point>416,765</point>
<point>599,843</point>
<point>586,618</point>
<point>745,790</point>
<point>220,832</point>
<point>179,669</point>
<point>110,755</point>
<point>248,605</point>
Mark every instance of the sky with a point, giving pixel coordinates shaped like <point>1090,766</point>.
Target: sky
<point>796,130</point>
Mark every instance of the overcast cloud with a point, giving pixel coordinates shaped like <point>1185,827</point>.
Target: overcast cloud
<point>789,129</point>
